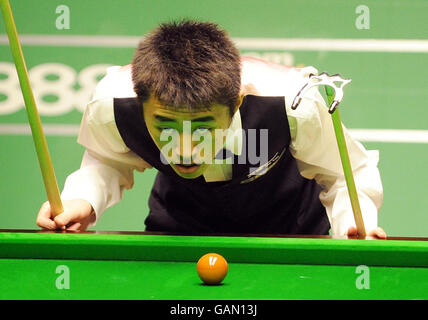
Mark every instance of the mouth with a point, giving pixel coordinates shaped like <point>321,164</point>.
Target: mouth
<point>187,168</point>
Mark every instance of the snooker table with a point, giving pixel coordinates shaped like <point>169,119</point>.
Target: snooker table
<point>147,266</point>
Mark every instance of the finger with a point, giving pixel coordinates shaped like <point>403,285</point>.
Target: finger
<point>82,225</point>
<point>46,223</point>
<point>379,233</point>
<point>44,217</point>
<point>46,229</point>
<point>63,219</point>
<point>352,231</point>
<point>74,226</point>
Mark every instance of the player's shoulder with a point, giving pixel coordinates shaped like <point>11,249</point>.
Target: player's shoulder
<point>254,65</point>
<point>116,83</point>
<point>98,130</point>
<point>100,111</point>
<point>266,78</point>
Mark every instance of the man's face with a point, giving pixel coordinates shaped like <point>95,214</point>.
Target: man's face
<point>188,140</point>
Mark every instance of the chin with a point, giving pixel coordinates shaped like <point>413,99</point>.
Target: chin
<point>190,176</point>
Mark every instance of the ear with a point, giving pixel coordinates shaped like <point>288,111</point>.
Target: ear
<point>239,100</point>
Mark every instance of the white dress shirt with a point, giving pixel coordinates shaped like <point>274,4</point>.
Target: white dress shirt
<point>108,164</point>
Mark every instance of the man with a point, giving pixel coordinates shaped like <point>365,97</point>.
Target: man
<point>231,154</point>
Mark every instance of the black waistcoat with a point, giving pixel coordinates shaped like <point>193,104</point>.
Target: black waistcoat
<point>280,201</point>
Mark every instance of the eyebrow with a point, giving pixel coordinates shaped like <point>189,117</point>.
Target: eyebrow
<point>163,119</point>
<point>204,119</point>
<point>166,119</point>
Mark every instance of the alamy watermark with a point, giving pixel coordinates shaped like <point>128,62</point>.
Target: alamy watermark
<point>202,146</point>
<point>62,21</point>
<point>363,19</point>
<point>62,282</point>
<point>363,280</point>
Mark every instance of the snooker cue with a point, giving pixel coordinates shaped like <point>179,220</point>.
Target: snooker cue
<point>39,139</point>
<point>346,165</point>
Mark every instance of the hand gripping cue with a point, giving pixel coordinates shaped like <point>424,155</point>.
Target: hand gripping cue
<point>334,89</point>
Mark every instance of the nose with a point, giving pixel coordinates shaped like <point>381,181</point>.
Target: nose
<point>185,148</point>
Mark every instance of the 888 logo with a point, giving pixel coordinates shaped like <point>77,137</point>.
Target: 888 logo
<point>57,88</point>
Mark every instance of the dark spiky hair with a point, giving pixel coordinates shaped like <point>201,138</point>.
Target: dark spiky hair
<point>187,64</point>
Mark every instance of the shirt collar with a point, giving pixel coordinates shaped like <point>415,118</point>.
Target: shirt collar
<point>234,135</point>
<point>223,171</point>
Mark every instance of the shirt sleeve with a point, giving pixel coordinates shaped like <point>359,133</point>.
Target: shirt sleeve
<point>107,166</point>
<point>315,149</point>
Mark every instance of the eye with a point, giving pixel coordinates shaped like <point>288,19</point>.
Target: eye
<point>202,130</point>
<point>165,129</point>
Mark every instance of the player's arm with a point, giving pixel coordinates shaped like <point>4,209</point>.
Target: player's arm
<point>106,171</point>
<point>315,149</point>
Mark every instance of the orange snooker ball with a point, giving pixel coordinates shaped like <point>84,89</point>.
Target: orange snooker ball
<point>212,268</point>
